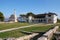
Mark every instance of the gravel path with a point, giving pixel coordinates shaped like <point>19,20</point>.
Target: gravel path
<point>16,28</point>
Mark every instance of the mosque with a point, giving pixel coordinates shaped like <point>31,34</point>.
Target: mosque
<point>13,17</point>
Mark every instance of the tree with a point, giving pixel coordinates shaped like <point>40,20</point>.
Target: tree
<point>22,15</point>
<point>1,16</point>
<point>30,14</point>
<point>58,20</point>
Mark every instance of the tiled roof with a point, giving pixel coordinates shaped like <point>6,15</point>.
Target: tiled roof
<point>41,15</point>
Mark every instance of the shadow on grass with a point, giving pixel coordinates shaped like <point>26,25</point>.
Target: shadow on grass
<point>37,36</point>
<point>25,32</point>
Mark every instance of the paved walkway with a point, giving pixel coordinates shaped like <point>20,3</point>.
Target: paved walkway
<point>1,31</point>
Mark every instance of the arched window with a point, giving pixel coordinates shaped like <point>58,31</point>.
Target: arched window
<point>49,20</point>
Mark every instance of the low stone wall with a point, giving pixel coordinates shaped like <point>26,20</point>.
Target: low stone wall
<point>49,34</point>
<point>7,38</point>
<point>27,37</point>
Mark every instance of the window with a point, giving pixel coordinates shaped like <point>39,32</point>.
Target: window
<point>41,20</point>
<point>44,20</point>
<point>49,15</point>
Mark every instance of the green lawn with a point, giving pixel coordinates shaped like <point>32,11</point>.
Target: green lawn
<point>59,27</point>
<point>57,24</point>
<point>17,33</point>
<point>11,25</point>
<point>37,28</point>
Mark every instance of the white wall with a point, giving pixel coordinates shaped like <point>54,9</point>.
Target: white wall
<point>54,19</point>
<point>46,18</point>
<point>30,19</point>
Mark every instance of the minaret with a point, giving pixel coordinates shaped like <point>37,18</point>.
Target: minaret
<point>15,19</point>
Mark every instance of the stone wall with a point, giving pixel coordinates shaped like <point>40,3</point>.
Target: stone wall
<point>28,37</point>
<point>49,34</point>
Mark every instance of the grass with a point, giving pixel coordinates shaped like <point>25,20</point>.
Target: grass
<point>57,24</point>
<point>37,28</point>
<point>11,25</point>
<point>17,33</point>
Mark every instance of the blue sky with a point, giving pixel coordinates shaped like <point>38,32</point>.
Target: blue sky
<point>24,6</point>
